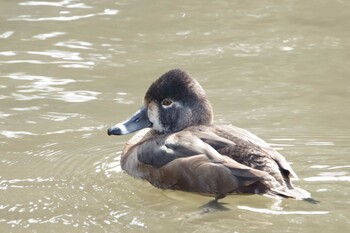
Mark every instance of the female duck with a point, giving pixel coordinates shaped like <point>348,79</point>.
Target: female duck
<point>181,149</point>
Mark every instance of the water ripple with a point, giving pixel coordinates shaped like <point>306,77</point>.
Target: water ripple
<point>327,178</point>
<point>124,98</point>
<point>4,115</point>
<point>77,96</point>
<point>75,44</point>
<point>7,53</point>
<point>65,58</point>
<point>83,129</point>
<point>39,83</point>
<point>45,36</point>
<point>45,87</point>
<point>23,183</point>
<point>14,134</point>
<point>6,35</point>
<point>59,116</point>
<point>330,175</point>
<point>66,55</point>
<point>108,167</point>
<point>274,212</point>
<point>32,108</point>
<point>317,143</point>
<point>29,18</point>
<point>64,3</point>
<point>21,97</point>
<point>68,64</point>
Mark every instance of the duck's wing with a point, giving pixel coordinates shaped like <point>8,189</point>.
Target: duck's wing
<point>197,174</point>
<point>167,151</point>
<point>163,149</point>
<point>252,138</point>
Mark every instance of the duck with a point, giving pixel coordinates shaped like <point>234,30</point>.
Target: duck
<point>178,147</point>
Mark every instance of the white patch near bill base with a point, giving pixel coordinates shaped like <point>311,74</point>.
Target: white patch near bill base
<point>122,128</point>
<point>153,116</point>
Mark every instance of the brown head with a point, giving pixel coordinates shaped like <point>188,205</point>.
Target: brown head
<point>172,103</point>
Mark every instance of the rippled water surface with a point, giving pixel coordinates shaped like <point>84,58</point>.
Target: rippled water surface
<point>71,68</point>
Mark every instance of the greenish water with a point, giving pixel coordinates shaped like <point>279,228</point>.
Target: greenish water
<point>69,69</point>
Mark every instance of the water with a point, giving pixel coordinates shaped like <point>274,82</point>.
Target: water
<point>71,68</point>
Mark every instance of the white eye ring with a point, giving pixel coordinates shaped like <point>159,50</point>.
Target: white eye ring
<point>167,102</point>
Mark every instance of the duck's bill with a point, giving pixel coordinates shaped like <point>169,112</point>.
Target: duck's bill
<point>136,122</point>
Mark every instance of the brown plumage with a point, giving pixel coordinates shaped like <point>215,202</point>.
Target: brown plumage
<point>181,149</point>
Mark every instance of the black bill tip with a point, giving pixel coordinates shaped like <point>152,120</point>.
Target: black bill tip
<point>114,131</point>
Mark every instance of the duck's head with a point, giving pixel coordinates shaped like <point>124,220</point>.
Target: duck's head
<point>172,103</point>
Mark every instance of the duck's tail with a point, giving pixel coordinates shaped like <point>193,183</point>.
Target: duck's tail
<point>295,193</point>
<point>283,188</point>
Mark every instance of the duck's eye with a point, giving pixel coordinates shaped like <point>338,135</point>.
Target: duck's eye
<point>167,102</point>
